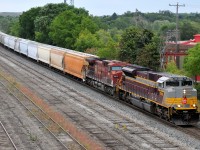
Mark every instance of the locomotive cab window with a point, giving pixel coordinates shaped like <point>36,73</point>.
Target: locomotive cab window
<point>172,83</point>
<point>186,83</point>
<point>116,68</point>
<point>161,85</point>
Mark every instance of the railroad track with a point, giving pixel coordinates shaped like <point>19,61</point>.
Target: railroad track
<point>192,130</point>
<point>105,137</point>
<point>130,131</point>
<point>26,67</point>
<point>5,140</point>
<point>62,136</point>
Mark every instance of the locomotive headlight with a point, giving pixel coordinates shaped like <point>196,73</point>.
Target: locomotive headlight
<point>184,91</point>
<point>179,106</point>
<point>194,105</point>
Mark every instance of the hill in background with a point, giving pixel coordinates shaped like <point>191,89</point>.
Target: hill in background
<point>13,14</point>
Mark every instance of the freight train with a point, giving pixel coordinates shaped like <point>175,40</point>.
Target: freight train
<point>169,96</point>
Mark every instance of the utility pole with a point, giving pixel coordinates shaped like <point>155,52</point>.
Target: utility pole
<point>177,30</point>
<point>177,6</point>
<point>65,1</point>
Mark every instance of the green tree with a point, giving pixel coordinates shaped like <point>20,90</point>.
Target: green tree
<point>4,24</point>
<point>116,34</point>
<point>149,56</point>
<point>134,40</point>
<point>86,40</point>
<point>111,51</point>
<point>15,28</point>
<point>100,43</point>
<point>167,27</point>
<point>103,37</point>
<point>7,22</point>
<point>120,23</point>
<point>26,22</point>
<point>44,19</point>
<point>108,48</point>
<point>188,29</point>
<point>172,68</point>
<point>191,62</point>
<point>162,26</point>
<point>114,16</point>
<point>67,26</point>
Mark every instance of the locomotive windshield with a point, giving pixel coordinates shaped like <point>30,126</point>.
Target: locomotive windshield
<point>172,83</point>
<point>116,68</point>
<point>186,83</point>
<point>176,83</point>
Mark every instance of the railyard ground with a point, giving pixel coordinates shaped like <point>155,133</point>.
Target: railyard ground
<point>29,134</point>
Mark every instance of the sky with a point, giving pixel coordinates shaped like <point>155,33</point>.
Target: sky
<point>106,7</point>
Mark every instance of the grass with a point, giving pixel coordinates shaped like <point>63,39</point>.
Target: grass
<point>33,137</point>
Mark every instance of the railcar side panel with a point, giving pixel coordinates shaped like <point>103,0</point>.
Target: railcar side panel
<point>33,50</point>
<point>140,90</point>
<point>6,40</point>
<point>17,43</point>
<point>56,58</point>
<point>12,42</point>
<point>2,35</point>
<point>75,65</point>
<point>44,54</point>
<point>23,46</point>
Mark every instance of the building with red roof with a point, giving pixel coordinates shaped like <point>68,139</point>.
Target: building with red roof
<point>178,51</point>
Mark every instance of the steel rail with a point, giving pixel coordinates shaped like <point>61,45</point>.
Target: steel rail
<point>8,136</point>
<point>43,112</point>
